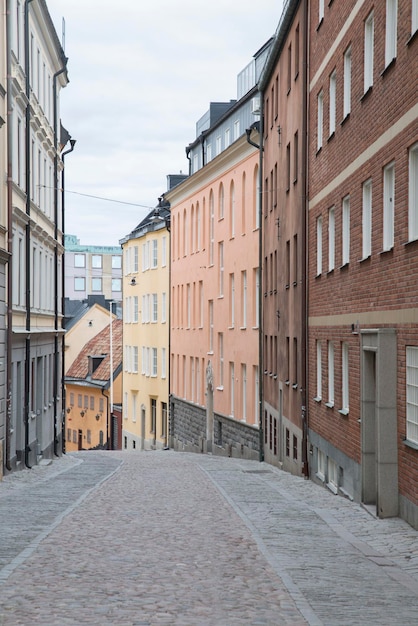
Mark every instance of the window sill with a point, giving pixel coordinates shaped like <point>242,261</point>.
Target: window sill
<point>332,488</point>
<point>345,266</point>
<point>383,252</point>
<point>320,24</point>
<point>410,242</point>
<point>412,38</point>
<point>221,296</point>
<point>294,386</point>
<point>317,399</point>
<point>410,444</point>
<point>330,405</point>
<point>296,75</point>
<point>330,272</point>
<point>345,118</point>
<point>365,258</point>
<point>331,137</point>
<point>318,150</point>
<point>318,276</point>
<point>388,67</point>
<point>366,93</point>
<point>231,327</point>
<point>220,388</point>
<point>320,477</point>
<point>243,328</point>
<point>287,383</point>
<point>343,412</point>
<point>210,353</point>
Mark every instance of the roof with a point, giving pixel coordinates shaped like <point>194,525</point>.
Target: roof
<point>99,345</point>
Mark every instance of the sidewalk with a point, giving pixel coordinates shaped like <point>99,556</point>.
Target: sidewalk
<point>150,538</point>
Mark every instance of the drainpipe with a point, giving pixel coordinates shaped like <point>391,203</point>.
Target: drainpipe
<point>9,298</point>
<point>167,427</point>
<point>305,463</point>
<point>260,287</point>
<point>63,394</point>
<point>28,235</point>
<point>56,309</point>
<point>107,416</point>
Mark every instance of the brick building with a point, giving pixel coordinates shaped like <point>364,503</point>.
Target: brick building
<point>363,253</point>
<point>283,86</point>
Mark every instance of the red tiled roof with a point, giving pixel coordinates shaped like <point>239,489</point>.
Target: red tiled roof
<point>99,345</point>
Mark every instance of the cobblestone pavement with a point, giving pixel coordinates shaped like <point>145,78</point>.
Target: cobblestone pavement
<point>166,538</point>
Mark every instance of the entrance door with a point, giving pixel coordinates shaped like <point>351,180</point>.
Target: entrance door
<point>368,427</point>
<point>80,439</point>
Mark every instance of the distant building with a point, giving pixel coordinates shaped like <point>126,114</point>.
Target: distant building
<point>93,384</point>
<point>146,291</point>
<point>92,270</point>
<point>3,233</point>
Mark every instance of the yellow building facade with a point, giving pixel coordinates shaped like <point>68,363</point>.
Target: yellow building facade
<point>146,333</point>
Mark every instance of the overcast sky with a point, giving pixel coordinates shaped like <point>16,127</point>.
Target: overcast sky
<point>141,75</point>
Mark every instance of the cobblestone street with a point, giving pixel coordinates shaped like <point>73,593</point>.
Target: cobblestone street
<point>166,538</point>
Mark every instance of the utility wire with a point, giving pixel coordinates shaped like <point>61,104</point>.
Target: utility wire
<point>87,195</point>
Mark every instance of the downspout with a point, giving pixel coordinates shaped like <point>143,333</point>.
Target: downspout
<point>9,299</point>
<point>260,289</point>
<point>56,309</point>
<point>167,428</point>
<point>189,159</point>
<point>28,235</point>
<point>305,463</point>
<point>260,282</point>
<point>107,411</point>
<point>63,394</point>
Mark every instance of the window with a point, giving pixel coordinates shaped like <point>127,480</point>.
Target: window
<point>413,193</point>
<point>236,129</point>
<point>211,228</point>
<point>231,300</point>
<point>332,102</point>
<point>331,239</point>
<point>244,391</point>
<point>79,260</point>
<point>320,119</point>
<point>96,284</point>
<point>296,52</point>
<point>344,376</point>
<point>347,82</point>
<point>153,414</point>
<point>227,138</point>
<point>221,267</point>
<point>116,261</point>
<point>163,307</point>
<point>388,206</point>
<point>332,474</point>
<point>289,67</point>
<point>154,258</point>
<point>321,465</point>
<point>232,389</point>
<point>244,298</point>
<point>319,245</point>
<point>79,284</point>
<point>209,153</point>
<point>221,359</point>
<point>135,309</point>
<point>391,30</point>
<point>295,448</point>
<point>318,370</point>
<point>295,162</point>
<point>257,298</point>
<point>96,261</point>
<point>330,374</point>
<point>135,359</point>
<point>320,10</point>
<point>164,415</point>
<point>154,308</point>
<point>210,326</point>
<point>346,230</point>
<point>412,394</point>
<point>414,22</point>
<point>288,167</point>
<point>154,362</point>
<point>116,284</point>
<point>163,363</point>
<point>368,52</point>
<point>367,219</point>
<point>232,210</point>
<point>218,145</point>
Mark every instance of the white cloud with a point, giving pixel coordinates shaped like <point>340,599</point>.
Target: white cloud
<point>141,75</point>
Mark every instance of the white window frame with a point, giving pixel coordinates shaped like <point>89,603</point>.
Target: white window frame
<point>345,378</point>
<point>391,32</point>
<point>388,206</point>
<point>321,465</point>
<point>231,389</point>
<point>163,307</point>
<point>244,299</point>
<point>97,261</point>
<point>412,394</point>
<point>320,120</point>
<point>332,102</point>
<point>116,261</point>
<point>163,363</point>
<point>367,193</point>
<point>347,82</point>
<point>368,51</point>
<point>154,308</point>
<point>414,16</point>
<point>244,391</point>
<point>154,362</point>
<point>154,257</point>
<point>319,245</point>
<point>79,260</point>
<point>321,10</point>
<point>221,360</point>
<point>221,268</point>
<point>346,230</point>
<point>330,402</point>
<point>96,284</point>
<point>232,300</point>
<point>413,193</point>
<point>318,396</point>
<point>331,239</point>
